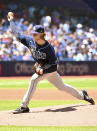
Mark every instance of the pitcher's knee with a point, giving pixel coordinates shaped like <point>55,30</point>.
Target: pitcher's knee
<point>61,88</point>
<point>33,81</point>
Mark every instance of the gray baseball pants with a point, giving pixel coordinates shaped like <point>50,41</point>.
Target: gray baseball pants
<point>55,79</point>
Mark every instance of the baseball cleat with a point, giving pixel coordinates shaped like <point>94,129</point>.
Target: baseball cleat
<point>21,110</point>
<point>87,98</point>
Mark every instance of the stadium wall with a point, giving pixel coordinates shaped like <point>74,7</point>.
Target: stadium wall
<point>24,68</point>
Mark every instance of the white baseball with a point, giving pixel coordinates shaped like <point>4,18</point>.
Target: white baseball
<point>10,14</point>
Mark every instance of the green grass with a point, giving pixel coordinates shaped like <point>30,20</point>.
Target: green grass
<point>13,104</point>
<point>86,83</point>
<point>22,84</point>
<point>30,128</point>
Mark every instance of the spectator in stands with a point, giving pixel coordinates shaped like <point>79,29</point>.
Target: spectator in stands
<point>71,39</point>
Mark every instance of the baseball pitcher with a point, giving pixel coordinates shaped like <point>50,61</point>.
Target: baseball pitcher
<point>45,66</point>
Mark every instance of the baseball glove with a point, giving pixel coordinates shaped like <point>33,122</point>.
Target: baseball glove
<point>38,68</point>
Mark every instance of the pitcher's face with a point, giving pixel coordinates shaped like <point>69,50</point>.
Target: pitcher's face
<point>37,36</point>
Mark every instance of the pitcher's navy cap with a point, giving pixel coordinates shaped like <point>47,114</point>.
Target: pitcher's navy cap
<point>38,29</point>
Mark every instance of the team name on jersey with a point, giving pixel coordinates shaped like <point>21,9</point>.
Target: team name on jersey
<point>38,54</point>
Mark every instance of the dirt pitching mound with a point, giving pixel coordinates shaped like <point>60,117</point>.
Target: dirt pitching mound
<point>65,115</point>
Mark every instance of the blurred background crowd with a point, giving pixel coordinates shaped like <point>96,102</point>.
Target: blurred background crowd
<point>74,38</point>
